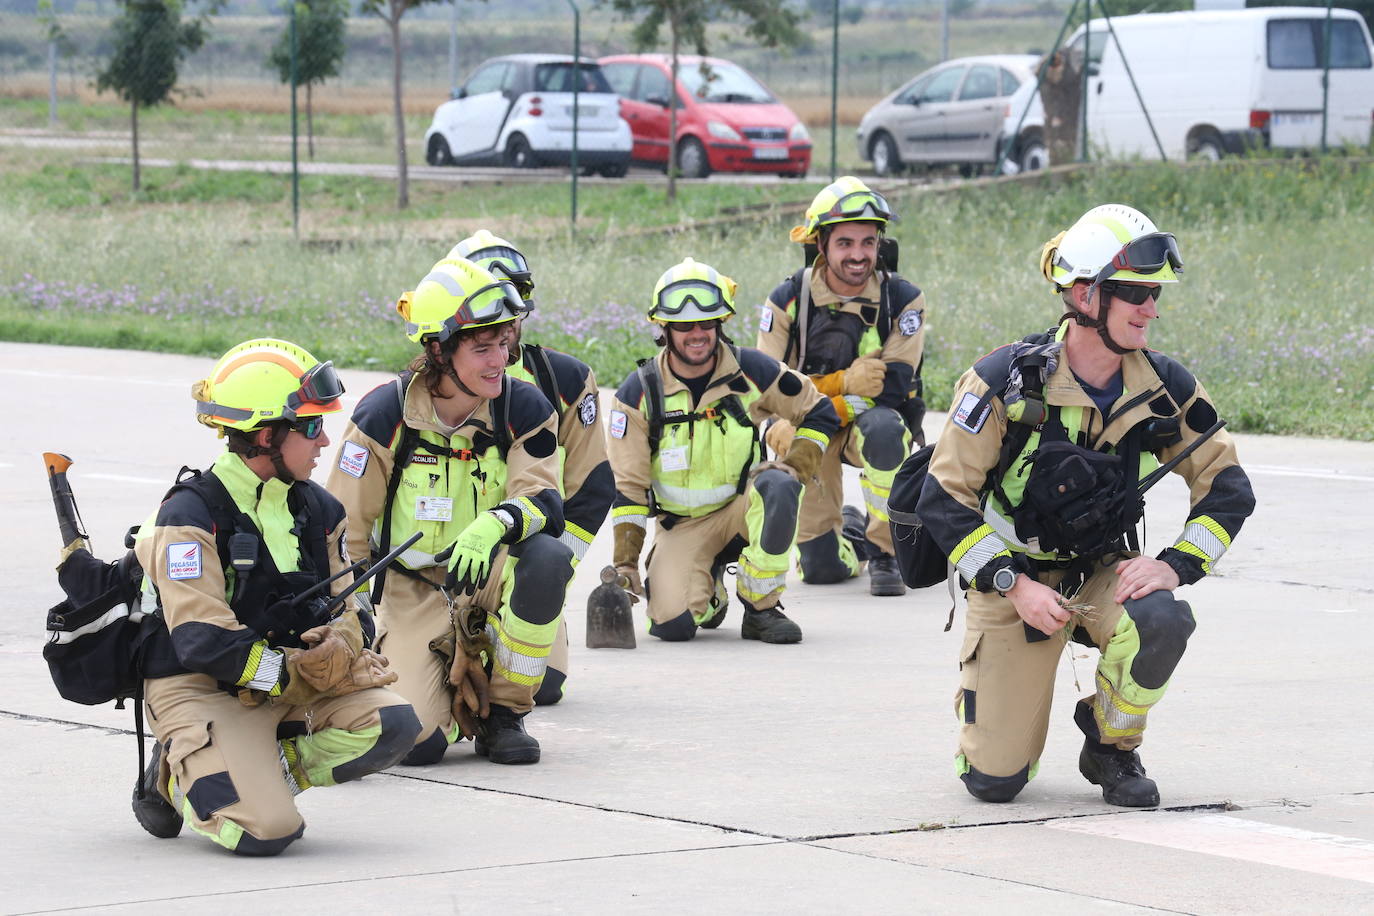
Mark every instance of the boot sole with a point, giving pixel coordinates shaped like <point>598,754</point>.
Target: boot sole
<point>1090,777</point>
<point>887,591</point>
<point>777,641</point>
<point>528,755</point>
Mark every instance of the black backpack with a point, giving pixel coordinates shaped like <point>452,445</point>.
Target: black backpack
<point>919,559</point>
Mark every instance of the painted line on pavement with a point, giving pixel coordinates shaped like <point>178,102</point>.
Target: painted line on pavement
<point>1278,470</point>
<point>1238,838</point>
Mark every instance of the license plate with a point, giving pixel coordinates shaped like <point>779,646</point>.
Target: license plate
<point>769,152</point>
<point>1296,119</point>
<point>583,111</point>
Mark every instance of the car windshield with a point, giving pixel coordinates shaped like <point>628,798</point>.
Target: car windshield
<point>726,83</point>
<point>558,78</point>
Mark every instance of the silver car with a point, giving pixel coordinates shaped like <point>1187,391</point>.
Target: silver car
<point>951,113</point>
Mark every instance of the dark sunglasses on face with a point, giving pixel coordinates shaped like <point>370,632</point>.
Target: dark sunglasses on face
<point>684,326</point>
<point>1133,293</point>
<point>309,427</point>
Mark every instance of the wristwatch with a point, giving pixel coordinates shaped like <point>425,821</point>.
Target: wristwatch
<point>1003,579</point>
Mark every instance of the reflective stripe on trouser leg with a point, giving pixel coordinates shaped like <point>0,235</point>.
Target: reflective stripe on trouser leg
<point>771,528</point>
<point>522,631</point>
<point>880,443</point>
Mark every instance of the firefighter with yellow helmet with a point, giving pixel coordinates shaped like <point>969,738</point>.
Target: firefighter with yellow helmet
<point>570,386</point>
<point>684,445</point>
<point>857,329</point>
<point>1034,494</point>
<point>454,450</point>
<point>251,698</point>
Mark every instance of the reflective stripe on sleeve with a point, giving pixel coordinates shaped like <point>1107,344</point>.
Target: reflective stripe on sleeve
<point>976,549</point>
<point>1205,539</point>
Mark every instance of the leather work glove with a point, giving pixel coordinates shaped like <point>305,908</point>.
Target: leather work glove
<point>804,458</point>
<point>367,671</point>
<point>779,436</point>
<point>474,551</point>
<point>864,377</point>
<point>629,542</point>
<point>467,672</point>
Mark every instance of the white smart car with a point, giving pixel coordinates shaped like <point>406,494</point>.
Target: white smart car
<point>517,111</point>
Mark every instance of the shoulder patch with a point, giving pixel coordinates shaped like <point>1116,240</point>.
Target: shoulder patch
<point>617,424</point>
<point>353,459</point>
<point>909,322</point>
<point>586,410</point>
<point>766,318</point>
<point>183,560</point>
<point>961,413</point>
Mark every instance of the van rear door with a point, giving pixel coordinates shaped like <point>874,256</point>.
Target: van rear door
<point>1291,80</point>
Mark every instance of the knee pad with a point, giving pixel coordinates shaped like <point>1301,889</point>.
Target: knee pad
<point>885,438</point>
<point>551,688</point>
<point>1164,625</point>
<point>541,578</point>
<point>781,497</point>
<point>249,845</point>
<point>400,728</point>
<point>429,751</point>
<point>680,629</point>
<point>821,563</point>
<point>996,789</point>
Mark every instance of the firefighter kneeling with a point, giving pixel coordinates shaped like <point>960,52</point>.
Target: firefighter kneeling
<point>684,445</point>
<point>251,700</point>
<point>1034,493</point>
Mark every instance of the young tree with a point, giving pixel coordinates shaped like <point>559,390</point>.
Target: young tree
<point>319,49</point>
<point>149,41</point>
<point>770,22</point>
<point>390,12</point>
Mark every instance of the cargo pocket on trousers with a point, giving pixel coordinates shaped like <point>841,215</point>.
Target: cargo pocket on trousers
<point>200,772</point>
<point>966,697</point>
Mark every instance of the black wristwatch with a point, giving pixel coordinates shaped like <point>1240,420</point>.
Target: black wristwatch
<point>1003,579</point>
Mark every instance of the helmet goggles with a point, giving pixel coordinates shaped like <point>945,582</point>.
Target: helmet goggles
<point>509,262</point>
<point>674,298</point>
<point>1145,255</point>
<point>858,205</point>
<point>320,387</point>
<point>489,304</point>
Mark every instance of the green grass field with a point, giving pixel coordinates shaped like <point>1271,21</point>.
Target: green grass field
<point>1274,313</point>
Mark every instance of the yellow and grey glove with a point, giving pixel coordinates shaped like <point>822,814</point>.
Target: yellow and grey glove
<point>474,552</point>
<point>629,542</point>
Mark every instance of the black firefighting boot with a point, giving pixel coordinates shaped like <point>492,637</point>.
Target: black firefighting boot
<point>502,738</point>
<point>883,577</point>
<point>154,813</point>
<point>768,625</point>
<point>1120,774</point>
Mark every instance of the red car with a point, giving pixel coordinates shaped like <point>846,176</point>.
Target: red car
<point>727,121</point>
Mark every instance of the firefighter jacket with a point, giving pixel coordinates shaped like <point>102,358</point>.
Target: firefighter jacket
<point>585,475</point>
<point>887,318</point>
<point>205,603</point>
<point>973,526</point>
<point>705,450</point>
<point>445,480</point>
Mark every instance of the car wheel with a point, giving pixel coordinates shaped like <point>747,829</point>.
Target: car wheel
<point>1206,144</point>
<point>518,153</point>
<point>437,153</point>
<point>691,159</point>
<point>1034,156</point>
<point>883,153</point>
<point>616,170</point>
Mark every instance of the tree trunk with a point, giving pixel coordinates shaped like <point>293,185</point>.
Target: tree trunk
<point>672,120</point>
<point>402,173</point>
<point>133,121</point>
<point>309,123</point>
<point>1062,95</point>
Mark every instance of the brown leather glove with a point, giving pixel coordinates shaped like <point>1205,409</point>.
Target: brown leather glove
<point>864,377</point>
<point>629,542</point>
<point>779,436</point>
<point>804,458</point>
<point>471,692</point>
<point>327,660</point>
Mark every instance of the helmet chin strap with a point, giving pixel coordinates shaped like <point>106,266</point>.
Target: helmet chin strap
<point>1100,322</point>
<point>278,464</point>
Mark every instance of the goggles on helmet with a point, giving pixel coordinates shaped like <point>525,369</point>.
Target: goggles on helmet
<point>675,297</point>
<point>320,386</point>
<point>487,305</point>
<point>1145,255</point>
<point>858,205</point>
<point>519,276</point>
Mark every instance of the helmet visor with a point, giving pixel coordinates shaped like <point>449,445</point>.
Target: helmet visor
<point>1145,255</point>
<point>858,205</point>
<point>499,301</point>
<point>520,276</point>
<point>320,390</point>
<point>675,298</point>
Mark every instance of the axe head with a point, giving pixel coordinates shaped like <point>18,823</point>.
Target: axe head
<point>610,624</point>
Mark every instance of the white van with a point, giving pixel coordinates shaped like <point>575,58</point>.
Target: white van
<point>1214,82</point>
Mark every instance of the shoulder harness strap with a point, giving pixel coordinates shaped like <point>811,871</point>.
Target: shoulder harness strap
<point>543,375</point>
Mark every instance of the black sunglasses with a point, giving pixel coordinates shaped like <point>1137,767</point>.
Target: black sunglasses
<point>309,427</point>
<point>1133,293</point>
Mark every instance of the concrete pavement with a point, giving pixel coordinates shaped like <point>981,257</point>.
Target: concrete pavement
<point>722,774</point>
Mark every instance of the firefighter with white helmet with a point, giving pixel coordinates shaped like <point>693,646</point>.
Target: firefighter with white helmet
<point>295,697</point>
<point>857,329</point>
<point>684,445</point>
<point>1034,492</point>
<point>456,451</point>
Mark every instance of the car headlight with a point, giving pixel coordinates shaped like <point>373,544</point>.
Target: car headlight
<point>798,134</point>
<point>722,131</point>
